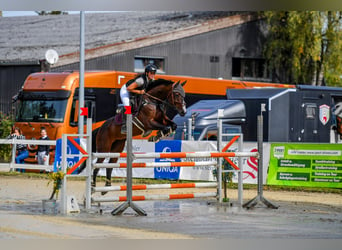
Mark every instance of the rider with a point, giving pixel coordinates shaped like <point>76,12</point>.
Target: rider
<point>136,86</point>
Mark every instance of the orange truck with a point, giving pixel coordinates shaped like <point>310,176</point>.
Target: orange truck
<point>51,99</point>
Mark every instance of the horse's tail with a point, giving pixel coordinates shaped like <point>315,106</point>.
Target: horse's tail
<point>93,149</point>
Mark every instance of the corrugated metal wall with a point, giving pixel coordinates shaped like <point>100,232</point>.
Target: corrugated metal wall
<point>12,78</point>
<point>206,55</point>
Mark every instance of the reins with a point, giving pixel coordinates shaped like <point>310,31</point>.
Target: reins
<point>162,101</point>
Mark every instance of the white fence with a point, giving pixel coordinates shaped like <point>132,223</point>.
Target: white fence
<point>5,167</point>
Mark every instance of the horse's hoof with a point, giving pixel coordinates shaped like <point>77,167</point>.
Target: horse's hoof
<point>154,139</point>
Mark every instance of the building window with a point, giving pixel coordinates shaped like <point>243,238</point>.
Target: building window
<point>310,110</point>
<point>214,59</point>
<point>250,69</point>
<point>140,63</point>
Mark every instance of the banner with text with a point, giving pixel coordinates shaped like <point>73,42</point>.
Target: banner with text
<point>307,165</point>
<point>71,150</point>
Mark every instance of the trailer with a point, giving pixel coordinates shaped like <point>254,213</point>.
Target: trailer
<point>302,114</point>
<point>200,121</point>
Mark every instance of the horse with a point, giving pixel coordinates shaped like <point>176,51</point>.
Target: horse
<point>150,115</point>
<point>337,111</point>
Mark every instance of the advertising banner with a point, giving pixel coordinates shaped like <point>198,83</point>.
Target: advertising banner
<point>139,146</point>
<point>250,164</point>
<point>205,173</point>
<point>71,150</point>
<point>307,165</point>
<point>171,173</point>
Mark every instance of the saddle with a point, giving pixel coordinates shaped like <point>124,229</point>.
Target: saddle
<point>120,110</point>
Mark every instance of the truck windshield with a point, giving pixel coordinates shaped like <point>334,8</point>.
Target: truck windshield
<point>39,110</point>
<point>42,107</point>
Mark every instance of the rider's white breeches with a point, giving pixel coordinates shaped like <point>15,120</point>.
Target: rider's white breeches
<point>124,95</point>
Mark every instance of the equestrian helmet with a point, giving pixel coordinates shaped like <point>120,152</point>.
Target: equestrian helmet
<point>151,68</point>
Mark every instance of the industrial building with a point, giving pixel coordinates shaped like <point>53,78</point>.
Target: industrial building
<point>206,44</point>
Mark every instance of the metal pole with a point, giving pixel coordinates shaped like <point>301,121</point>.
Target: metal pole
<point>240,173</point>
<point>219,159</point>
<point>89,163</point>
<point>129,159</point>
<point>129,149</point>
<point>64,181</point>
<point>260,136</point>
<point>14,151</point>
<point>190,130</point>
<point>260,197</point>
<point>81,76</point>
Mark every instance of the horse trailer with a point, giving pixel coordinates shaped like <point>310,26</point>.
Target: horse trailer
<point>302,114</point>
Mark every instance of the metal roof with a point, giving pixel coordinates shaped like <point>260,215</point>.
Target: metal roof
<point>27,38</point>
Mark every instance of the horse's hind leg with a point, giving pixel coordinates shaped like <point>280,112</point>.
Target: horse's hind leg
<point>117,147</point>
<point>95,172</point>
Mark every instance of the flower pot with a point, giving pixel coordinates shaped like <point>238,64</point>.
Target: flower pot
<point>50,206</point>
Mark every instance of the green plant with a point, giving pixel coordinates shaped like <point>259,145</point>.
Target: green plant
<point>56,179</point>
<point>6,124</point>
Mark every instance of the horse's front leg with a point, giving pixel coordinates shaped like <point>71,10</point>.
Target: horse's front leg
<point>163,130</point>
<point>168,122</point>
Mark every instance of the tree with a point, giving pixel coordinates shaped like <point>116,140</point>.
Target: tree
<point>304,47</point>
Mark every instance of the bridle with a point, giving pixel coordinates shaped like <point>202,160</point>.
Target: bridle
<point>171,104</point>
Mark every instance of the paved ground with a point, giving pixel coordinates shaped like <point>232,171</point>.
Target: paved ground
<point>300,215</point>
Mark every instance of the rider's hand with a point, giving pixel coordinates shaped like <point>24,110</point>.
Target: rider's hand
<point>142,92</point>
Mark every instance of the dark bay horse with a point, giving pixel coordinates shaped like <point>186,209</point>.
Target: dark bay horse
<point>151,115</point>
<point>337,111</point>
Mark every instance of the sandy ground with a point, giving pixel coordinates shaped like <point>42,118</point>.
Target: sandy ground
<point>300,215</point>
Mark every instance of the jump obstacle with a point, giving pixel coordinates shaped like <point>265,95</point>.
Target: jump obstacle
<point>129,198</point>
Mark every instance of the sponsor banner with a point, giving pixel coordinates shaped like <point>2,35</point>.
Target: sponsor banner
<point>139,146</point>
<point>205,173</point>
<point>71,149</point>
<point>170,173</point>
<point>309,165</point>
<point>250,164</point>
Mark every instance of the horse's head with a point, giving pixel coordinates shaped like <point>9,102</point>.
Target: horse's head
<point>169,91</point>
<point>177,98</point>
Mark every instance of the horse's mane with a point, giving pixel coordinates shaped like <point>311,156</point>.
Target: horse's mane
<point>157,83</point>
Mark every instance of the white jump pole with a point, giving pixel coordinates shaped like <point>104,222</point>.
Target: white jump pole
<point>89,164</point>
<point>240,173</point>
<point>260,197</point>
<point>199,154</point>
<point>64,164</point>
<point>219,160</point>
<point>129,147</point>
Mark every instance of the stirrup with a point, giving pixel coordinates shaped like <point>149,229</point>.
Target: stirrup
<point>123,129</point>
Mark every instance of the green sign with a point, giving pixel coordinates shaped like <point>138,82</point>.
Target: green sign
<point>307,165</point>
